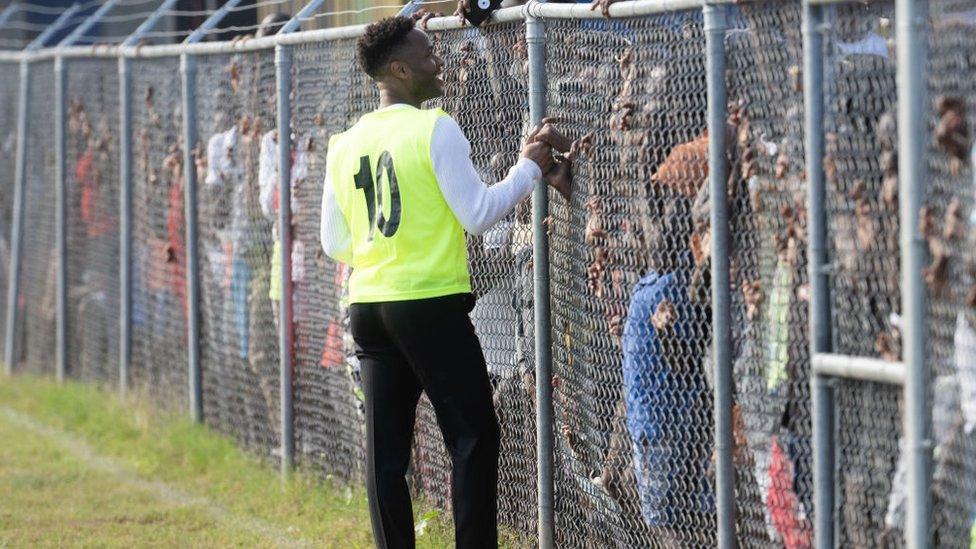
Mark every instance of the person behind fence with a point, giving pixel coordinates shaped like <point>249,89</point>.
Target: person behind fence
<point>400,190</point>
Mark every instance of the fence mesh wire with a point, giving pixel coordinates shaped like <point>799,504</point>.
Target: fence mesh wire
<point>630,265</point>
<point>767,199</point>
<point>487,95</point>
<point>38,283</point>
<point>159,311</point>
<point>630,302</point>
<point>951,274</point>
<point>9,98</point>
<point>485,90</point>
<point>870,490</point>
<point>92,179</point>
<point>860,171</point>
<point>329,94</point>
<point>236,195</point>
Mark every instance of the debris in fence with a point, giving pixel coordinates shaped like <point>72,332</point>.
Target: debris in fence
<point>952,130</point>
<point>926,222</point>
<point>954,226</point>
<point>889,191</point>
<point>888,344</point>
<point>866,223</point>
<point>594,233</point>
<point>752,294</point>
<point>935,273</point>
<point>234,71</point>
<point>796,78</point>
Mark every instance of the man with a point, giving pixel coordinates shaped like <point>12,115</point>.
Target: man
<point>400,190</point>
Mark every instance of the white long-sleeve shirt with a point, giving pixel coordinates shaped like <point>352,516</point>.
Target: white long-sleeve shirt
<point>476,205</point>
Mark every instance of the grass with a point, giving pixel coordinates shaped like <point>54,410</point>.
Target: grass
<point>53,497</point>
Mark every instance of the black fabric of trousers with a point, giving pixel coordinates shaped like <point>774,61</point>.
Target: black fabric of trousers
<point>405,347</point>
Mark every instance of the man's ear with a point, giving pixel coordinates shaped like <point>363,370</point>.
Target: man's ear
<point>398,69</point>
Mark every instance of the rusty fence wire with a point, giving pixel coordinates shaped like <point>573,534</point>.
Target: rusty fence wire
<point>634,385</point>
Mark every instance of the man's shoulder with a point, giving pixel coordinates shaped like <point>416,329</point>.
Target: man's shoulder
<point>336,140</point>
<point>438,114</point>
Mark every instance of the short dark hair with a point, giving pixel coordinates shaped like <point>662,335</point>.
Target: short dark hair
<point>375,47</point>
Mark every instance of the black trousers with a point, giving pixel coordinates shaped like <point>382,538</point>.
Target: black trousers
<point>427,345</point>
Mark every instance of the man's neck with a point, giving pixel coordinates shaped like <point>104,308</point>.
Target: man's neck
<point>390,97</point>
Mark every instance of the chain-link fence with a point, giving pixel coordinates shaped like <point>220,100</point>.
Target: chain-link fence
<point>630,324</point>
<point>636,455</point>
<point>860,171</point>
<point>487,95</point>
<point>36,301</point>
<point>92,179</point>
<point>948,227</point>
<point>236,198</point>
<point>159,298</point>
<point>329,95</point>
<point>767,195</point>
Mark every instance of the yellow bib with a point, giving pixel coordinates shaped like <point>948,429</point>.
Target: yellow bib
<point>406,241</point>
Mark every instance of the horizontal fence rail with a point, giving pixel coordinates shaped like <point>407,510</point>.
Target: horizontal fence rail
<point>734,333</point>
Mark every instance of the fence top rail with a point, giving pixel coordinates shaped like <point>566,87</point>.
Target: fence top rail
<point>627,8</point>
<point>834,2</point>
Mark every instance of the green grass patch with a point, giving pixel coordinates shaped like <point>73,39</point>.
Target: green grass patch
<point>55,496</point>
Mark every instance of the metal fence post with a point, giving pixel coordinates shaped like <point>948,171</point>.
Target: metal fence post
<point>911,20</point>
<point>17,228</point>
<point>283,62</point>
<point>716,24</point>
<point>125,194</point>
<point>60,218</point>
<point>125,224</point>
<point>536,40</point>
<point>20,182</point>
<point>188,70</point>
<point>821,388</point>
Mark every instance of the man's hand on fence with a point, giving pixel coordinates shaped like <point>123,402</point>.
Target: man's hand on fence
<point>604,6</point>
<point>540,153</point>
<point>537,151</point>
<point>462,6</point>
<point>421,16</point>
<point>559,175</point>
<point>549,134</point>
